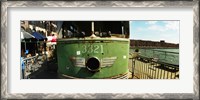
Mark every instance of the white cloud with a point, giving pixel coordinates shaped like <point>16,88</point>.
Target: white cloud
<point>130,22</point>
<point>168,26</point>
<point>152,22</point>
<point>156,28</point>
<point>172,25</point>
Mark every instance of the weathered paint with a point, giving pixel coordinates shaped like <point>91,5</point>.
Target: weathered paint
<point>111,52</point>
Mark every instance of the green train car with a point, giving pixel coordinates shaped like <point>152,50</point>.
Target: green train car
<point>93,50</point>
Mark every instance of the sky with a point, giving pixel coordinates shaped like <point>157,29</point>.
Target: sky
<point>155,30</point>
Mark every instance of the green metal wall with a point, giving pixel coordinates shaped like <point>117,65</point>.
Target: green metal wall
<point>86,48</point>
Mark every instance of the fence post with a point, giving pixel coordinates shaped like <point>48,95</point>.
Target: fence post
<point>133,65</point>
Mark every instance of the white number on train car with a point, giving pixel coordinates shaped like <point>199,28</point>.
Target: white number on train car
<point>92,49</point>
<point>96,48</point>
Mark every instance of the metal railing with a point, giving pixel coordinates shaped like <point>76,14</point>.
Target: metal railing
<point>32,64</point>
<point>163,56</point>
<point>143,67</point>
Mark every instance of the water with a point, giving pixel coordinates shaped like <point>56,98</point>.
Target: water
<point>170,56</point>
<point>169,50</point>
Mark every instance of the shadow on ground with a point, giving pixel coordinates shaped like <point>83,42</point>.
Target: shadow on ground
<point>47,71</point>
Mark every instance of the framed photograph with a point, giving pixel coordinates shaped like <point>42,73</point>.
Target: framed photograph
<point>99,50</point>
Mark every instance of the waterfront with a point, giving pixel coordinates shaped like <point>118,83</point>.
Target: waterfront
<point>164,49</point>
<point>170,56</point>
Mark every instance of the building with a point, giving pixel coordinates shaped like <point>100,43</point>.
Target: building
<point>46,28</point>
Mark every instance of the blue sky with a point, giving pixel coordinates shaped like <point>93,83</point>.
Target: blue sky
<point>155,30</point>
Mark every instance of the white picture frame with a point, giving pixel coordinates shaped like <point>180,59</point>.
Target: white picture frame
<point>6,5</point>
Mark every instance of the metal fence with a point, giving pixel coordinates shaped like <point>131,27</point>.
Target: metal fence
<point>31,64</point>
<point>154,67</point>
<point>164,56</point>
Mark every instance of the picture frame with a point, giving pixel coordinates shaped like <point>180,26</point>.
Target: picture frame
<point>5,5</point>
